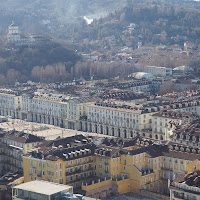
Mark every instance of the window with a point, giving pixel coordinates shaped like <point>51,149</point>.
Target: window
<point>56,166</point>
<point>30,163</point>
<point>43,173</point>
<point>60,165</point>
<point>60,173</point>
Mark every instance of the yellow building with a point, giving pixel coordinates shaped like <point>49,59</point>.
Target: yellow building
<point>114,166</point>
<point>65,161</point>
<point>145,167</point>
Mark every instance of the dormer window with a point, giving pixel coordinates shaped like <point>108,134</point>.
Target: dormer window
<point>182,149</point>
<point>193,150</point>
<point>171,147</point>
<point>176,148</point>
<point>188,150</point>
<point>187,137</point>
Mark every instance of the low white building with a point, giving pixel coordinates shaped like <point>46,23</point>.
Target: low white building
<point>158,71</point>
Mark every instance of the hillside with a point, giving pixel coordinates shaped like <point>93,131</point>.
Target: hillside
<point>153,23</point>
<point>32,15</point>
<point>53,62</point>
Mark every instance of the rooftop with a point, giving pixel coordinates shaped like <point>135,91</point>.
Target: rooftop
<point>43,187</point>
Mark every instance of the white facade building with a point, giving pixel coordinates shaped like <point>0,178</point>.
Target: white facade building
<point>158,71</point>
<point>10,104</point>
<point>118,119</point>
<point>44,109</point>
<point>13,35</point>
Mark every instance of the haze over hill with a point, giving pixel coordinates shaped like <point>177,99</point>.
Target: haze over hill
<point>34,12</point>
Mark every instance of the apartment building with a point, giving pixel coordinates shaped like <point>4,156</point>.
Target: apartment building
<point>44,108</point>
<point>77,111</point>
<point>10,103</point>
<point>12,145</point>
<point>146,168</point>
<point>185,133</point>
<point>186,187</point>
<point>161,122</point>
<point>114,166</point>
<point>119,119</point>
<point>64,161</point>
<point>184,106</point>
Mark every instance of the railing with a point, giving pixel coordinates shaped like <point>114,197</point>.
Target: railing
<point>79,179</point>
<point>79,163</point>
<point>79,171</point>
<point>146,172</point>
<point>167,168</point>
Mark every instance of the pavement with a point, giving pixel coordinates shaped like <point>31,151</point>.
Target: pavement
<point>50,132</point>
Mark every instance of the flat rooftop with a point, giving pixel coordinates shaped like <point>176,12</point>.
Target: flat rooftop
<point>42,187</point>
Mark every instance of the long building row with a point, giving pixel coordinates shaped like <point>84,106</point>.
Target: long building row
<point>110,117</point>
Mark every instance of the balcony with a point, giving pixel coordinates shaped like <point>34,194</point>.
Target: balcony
<point>79,163</point>
<point>167,168</point>
<point>79,179</point>
<point>146,172</point>
<point>79,171</point>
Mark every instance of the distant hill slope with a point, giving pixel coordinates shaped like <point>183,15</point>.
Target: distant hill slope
<point>27,63</point>
<point>32,12</point>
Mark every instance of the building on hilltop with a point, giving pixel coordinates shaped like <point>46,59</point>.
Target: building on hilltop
<point>16,38</point>
<point>13,35</point>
